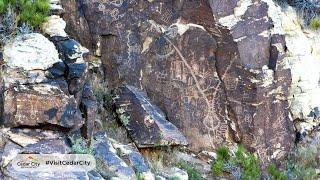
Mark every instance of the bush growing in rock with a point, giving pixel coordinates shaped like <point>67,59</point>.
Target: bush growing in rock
<point>80,146</point>
<point>309,9</point>
<point>242,165</point>
<point>8,25</point>
<point>190,169</point>
<point>315,23</point>
<point>275,173</point>
<point>33,12</point>
<point>303,162</point>
<point>21,16</point>
<point>123,117</point>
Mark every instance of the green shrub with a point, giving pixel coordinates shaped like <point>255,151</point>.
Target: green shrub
<point>123,117</point>
<point>2,6</point>
<point>246,166</point>
<point>276,174</point>
<point>217,167</point>
<point>240,163</point>
<point>223,153</point>
<point>302,164</point>
<point>315,23</point>
<point>308,9</point>
<point>35,13</point>
<point>190,169</point>
<point>80,146</point>
<point>104,98</point>
<point>32,12</point>
<point>251,167</point>
<point>8,25</point>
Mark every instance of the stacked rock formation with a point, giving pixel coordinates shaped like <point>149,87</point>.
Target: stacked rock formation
<point>44,96</point>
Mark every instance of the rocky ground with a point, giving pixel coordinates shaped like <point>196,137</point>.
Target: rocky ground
<point>152,88</point>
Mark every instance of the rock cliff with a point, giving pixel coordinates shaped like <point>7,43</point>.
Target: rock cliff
<point>216,68</point>
<point>126,79</point>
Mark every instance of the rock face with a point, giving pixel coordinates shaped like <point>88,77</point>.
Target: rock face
<point>185,85</point>
<point>303,62</point>
<point>256,81</point>
<point>215,68</point>
<point>181,75</point>
<point>77,24</point>
<point>146,124</point>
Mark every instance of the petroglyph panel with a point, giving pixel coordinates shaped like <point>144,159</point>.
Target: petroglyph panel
<point>194,75</point>
<point>191,89</point>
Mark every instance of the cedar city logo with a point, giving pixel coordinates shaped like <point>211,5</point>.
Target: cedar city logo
<point>54,162</point>
<point>28,162</point>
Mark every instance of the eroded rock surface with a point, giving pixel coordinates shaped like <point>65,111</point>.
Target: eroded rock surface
<point>146,123</point>
<point>43,85</point>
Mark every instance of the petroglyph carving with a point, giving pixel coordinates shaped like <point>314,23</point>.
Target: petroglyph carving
<point>230,83</point>
<point>133,2</point>
<point>117,3</point>
<point>166,15</point>
<point>161,76</point>
<point>101,7</point>
<point>114,13</point>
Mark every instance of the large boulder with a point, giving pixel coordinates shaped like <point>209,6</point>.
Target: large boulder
<point>40,104</point>
<point>131,155</point>
<point>31,52</point>
<point>109,164</point>
<point>145,122</point>
<point>37,141</point>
